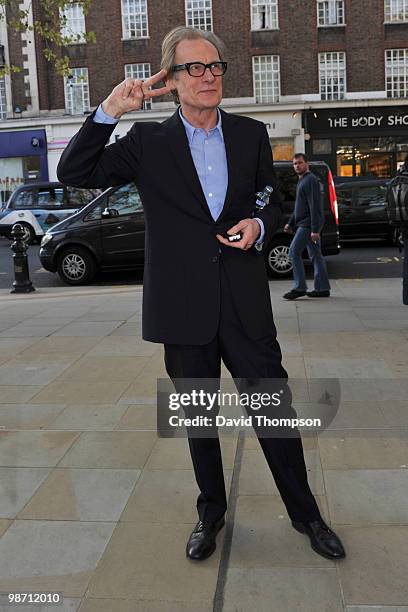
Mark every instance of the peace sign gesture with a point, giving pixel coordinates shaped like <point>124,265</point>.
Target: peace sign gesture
<point>130,94</point>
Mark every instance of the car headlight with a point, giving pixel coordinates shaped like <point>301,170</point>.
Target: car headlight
<point>46,239</point>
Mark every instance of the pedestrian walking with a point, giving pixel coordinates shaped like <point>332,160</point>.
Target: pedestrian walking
<point>308,218</point>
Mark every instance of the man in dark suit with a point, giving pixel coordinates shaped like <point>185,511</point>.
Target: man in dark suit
<point>204,298</point>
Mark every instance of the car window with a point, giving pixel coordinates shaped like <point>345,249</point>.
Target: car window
<point>77,198</point>
<point>287,181</point>
<point>25,200</point>
<point>370,196</point>
<point>126,200</point>
<point>50,197</point>
<point>95,214</point>
<point>343,196</point>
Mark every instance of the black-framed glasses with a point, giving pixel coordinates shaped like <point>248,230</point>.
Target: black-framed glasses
<point>197,69</point>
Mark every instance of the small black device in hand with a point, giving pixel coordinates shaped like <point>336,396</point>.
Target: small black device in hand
<point>262,200</point>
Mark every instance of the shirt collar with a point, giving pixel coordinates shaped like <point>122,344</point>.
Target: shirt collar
<point>191,129</point>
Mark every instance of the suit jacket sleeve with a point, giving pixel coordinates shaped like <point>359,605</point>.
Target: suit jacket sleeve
<point>88,162</point>
<point>271,215</point>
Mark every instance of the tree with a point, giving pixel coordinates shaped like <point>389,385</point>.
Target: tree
<point>50,28</point>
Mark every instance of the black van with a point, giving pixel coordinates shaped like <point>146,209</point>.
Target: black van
<point>108,233</point>
<point>363,210</point>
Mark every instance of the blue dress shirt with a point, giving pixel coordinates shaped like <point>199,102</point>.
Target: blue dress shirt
<point>210,161</point>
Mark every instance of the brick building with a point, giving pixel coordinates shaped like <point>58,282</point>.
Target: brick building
<point>326,76</point>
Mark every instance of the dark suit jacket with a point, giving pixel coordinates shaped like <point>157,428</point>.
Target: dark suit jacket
<point>181,295</point>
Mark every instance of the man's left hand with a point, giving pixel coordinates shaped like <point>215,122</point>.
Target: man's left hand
<point>250,230</point>
<point>315,237</point>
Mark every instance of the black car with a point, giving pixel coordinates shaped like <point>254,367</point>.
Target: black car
<point>109,232</point>
<point>363,210</point>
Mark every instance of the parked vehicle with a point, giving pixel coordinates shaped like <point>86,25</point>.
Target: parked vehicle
<point>39,206</point>
<point>109,232</point>
<point>363,210</point>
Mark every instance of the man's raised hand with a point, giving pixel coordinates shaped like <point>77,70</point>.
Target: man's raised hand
<point>130,94</point>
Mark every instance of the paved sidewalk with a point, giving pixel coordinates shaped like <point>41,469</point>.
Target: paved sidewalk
<point>94,505</point>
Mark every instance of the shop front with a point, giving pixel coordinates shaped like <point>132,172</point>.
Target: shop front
<point>23,159</point>
<point>371,142</point>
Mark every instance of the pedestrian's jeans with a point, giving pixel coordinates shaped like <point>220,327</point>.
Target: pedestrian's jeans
<point>301,240</point>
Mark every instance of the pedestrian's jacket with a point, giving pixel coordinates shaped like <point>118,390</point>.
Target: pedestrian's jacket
<point>308,205</point>
<point>181,293</point>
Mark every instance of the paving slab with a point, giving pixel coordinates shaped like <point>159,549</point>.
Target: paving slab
<point>148,561</point>
<point>81,495</point>
<point>367,497</point>
<point>374,571</point>
<point>278,589</point>
<point>264,537</point>
<point>52,555</point>
<point>110,449</point>
<point>17,486</point>
<point>88,417</point>
<point>34,448</point>
<point>28,416</point>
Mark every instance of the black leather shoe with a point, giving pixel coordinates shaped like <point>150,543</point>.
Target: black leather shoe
<point>293,294</point>
<point>318,293</point>
<point>201,543</point>
<point>323,540</point>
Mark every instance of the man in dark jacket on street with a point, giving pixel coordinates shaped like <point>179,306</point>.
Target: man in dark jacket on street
<point>308,217</point>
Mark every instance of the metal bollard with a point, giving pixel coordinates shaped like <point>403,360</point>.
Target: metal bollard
<point>22,283</point>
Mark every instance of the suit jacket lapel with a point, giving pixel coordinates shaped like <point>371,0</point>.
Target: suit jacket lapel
<point>177,139</point>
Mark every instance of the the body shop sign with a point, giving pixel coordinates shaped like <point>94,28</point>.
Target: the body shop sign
<point>357,120</point>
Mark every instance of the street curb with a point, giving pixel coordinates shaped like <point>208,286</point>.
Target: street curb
<point>46,293</point>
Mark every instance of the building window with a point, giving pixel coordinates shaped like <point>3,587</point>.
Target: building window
<point>330,12</point>
<point>266,78</point>
<point>396,73</point>
<point>74,25</point>
<point>139,71</point>
<point>134,19</point>
<point>395,11</point>
<point>3,99</point>
<point>77,91</point>
<point>332,75</point>
<point>264,14</point>
<point>199,14</point>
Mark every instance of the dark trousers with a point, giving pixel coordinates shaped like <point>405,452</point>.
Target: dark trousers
<point>245,359</point>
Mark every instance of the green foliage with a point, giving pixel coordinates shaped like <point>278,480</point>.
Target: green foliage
<point>48,27</point>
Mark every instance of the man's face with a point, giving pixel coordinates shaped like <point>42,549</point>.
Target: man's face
<point>203,92</point>
<point>300,166</point>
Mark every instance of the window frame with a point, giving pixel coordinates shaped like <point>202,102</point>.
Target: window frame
<point>190,10</point>
<point>277,96</point>
<point>124,14</point>
<point>72,6</point>
<point>273,4</point>
<point>390,3</point>
<point>338,4</point>
<point>84,84</point>
<point>404,76</point>
<point>341,96</point>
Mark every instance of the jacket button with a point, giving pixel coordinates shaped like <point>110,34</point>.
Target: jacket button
<point>214,259</point>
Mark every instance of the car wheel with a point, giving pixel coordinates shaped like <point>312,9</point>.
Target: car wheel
<point>277,260</point>
<point>76,266</point>
<point>29,235</point>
